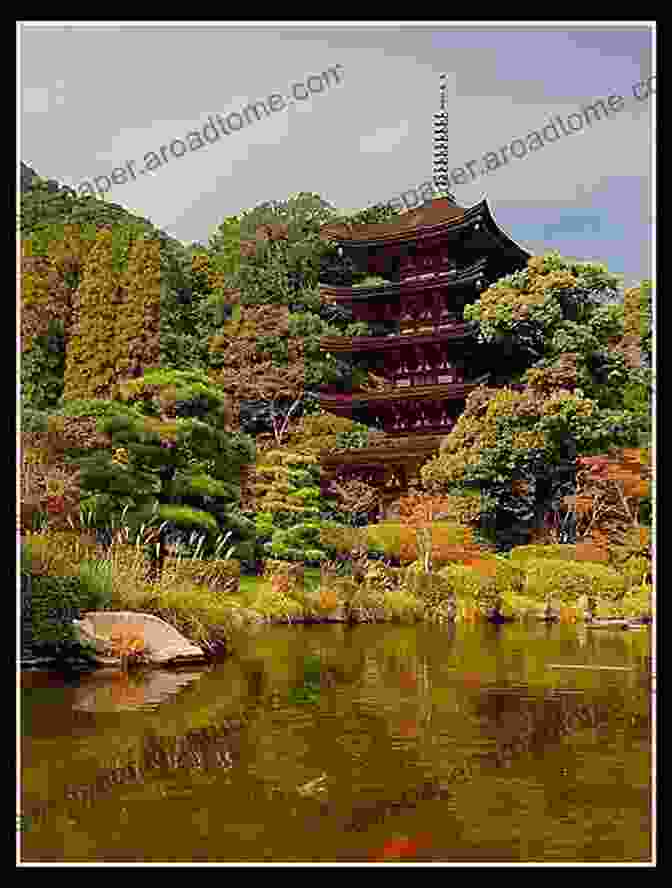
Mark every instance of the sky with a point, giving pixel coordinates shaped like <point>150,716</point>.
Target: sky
<point>94,97</point>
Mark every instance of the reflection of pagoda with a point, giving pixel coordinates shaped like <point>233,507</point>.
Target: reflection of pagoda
<point>434,260</point>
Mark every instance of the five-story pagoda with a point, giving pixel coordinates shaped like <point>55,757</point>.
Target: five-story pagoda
<point>435,260</point>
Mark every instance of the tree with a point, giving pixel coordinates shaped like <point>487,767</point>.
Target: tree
<point>224,246</point>
<point>180,460</point>
<point>357,500</point>
<point>519,447</point>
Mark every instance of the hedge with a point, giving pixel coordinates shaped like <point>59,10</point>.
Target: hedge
<point>48,607</point>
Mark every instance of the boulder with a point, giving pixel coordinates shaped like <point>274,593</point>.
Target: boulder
<point>158,641</point>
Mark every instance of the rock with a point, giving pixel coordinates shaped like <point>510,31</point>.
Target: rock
<point>162,643</point>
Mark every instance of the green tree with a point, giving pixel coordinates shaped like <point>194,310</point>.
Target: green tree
<point>180,461</point>
<point>580,395</point>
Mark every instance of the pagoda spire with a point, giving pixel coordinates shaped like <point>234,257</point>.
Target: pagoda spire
<point>441,179</point>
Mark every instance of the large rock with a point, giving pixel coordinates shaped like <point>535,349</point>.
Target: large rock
<point>162,643</point>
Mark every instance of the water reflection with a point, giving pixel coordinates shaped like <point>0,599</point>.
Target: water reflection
<point>120,690</point>
<point>326,742</point>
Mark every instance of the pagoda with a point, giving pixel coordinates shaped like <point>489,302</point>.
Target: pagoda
<point>435,260</point>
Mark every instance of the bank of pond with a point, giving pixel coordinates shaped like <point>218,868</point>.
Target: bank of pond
<point>212,605</point>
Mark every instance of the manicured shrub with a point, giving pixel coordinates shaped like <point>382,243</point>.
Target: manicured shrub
<point>48,607</point>
<point>568,582</point>
<point>564,552</point>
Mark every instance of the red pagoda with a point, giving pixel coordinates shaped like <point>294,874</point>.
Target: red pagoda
<point>434,260</point>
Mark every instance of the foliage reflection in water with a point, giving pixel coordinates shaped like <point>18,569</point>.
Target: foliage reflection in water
<point>370,743</point>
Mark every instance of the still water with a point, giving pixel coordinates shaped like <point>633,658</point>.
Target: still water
<point>336,744</point>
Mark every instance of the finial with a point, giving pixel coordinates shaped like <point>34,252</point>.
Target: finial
<point>441,178</point>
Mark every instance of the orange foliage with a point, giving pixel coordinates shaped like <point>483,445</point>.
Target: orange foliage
<point>280,583</point>
<point>421,508</point>
<point>452,544</point>
<point>482,566</point>
<point>606,502</point>
<point>328,599</point>
<point>595,550</point>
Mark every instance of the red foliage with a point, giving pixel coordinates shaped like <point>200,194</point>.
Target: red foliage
<point>606,502</point>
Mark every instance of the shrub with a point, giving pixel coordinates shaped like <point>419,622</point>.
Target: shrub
<point>401,605</point>
<point>638,602</point>
<point>292,573</point>
<point>450,542</point>
<point>563,552</point>
<point>95,578</point>
<point>48,607</point>
<point>365,604</point>
<point>275,604</point>
<point>342,541</point>
<point>466,586</point>
<point>568,582</point>
<point>34,421</point>
<point>636,570</point>
<point>435,591</point>
<point>56,553</point>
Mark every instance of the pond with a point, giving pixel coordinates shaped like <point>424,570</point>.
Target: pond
<point>340,744</point>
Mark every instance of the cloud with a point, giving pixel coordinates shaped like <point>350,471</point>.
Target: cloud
<point>383,140</point>
<point>36,100</point>
<point>40,99</point>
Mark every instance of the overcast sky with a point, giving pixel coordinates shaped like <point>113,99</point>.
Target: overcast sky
<point>94,97</point>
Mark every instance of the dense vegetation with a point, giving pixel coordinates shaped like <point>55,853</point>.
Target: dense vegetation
<point>169,403</point>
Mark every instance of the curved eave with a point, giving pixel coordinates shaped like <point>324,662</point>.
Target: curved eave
<point>448,391</point>
<point>479,213</point>
<point>467,277</point>
<point>384,454</point>
<point>501,235</point>
<point>461,333</point>
<point>411,235</point>
<point>439,213</point>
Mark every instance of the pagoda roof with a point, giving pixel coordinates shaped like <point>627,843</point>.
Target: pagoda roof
<point>440,211</point>
<point>432,219</point>
<point>466,277</point>
<point>388,452</point>
<point>459,331</point>
<point>448,391</point>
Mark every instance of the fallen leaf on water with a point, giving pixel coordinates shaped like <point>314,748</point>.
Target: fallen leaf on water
<point>408,681</point>
<point>408,728</point>
<point>395,849</point>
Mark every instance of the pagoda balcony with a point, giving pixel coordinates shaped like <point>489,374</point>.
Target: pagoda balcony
<point>432,301</point>
<point>416,409</point>
<point>410,361</point>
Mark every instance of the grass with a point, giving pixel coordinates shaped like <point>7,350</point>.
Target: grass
<point>213,617</point>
